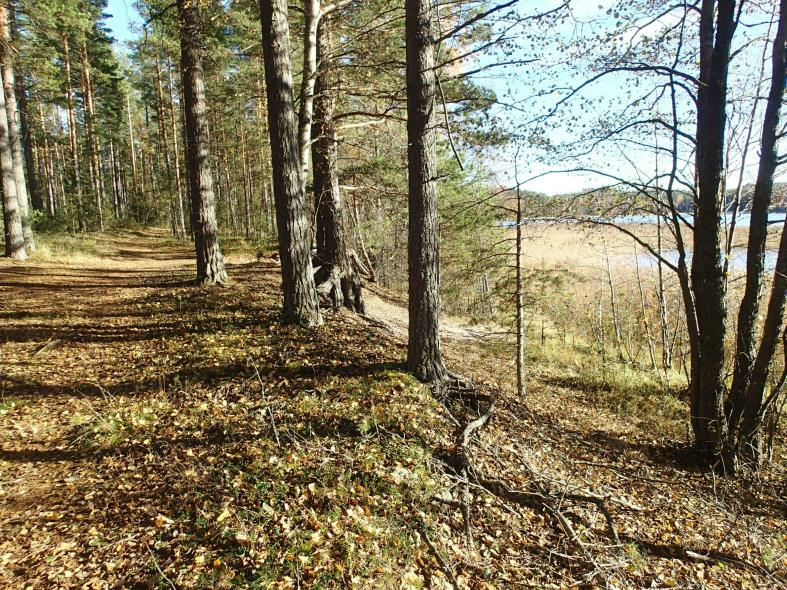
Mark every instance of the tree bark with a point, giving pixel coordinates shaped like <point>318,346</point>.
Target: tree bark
<point>752,367</point>
<point>12,110</point>
<point>311,16</point>
<point>210,262</point>
<point>12,218</point>
<point>24,128</point>
<point>114,176</point>
<point>93,144</point>
<point>300,294</point>
<point>520,298</point>
<point>176,219</point>
<point>72,135</point>
<point>423,350</point>
<point>708,285</point>
<point>666,350</point>
<point>336,278</point>
<point>246,184</point>
<point>45,161</point>
<point>132,148</point>
<point>176,154</point>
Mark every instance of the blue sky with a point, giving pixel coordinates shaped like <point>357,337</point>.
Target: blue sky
<point>126,22</point>
<point>124,17</point>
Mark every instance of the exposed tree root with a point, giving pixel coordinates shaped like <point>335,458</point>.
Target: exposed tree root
<point>446,567</point>
<point>336,288</point>
<point>540,497</point>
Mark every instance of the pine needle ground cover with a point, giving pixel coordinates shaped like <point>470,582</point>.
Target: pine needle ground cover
<point>158,435</point>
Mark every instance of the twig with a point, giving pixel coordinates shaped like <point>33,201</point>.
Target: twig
<point>159,570</point>
<point>628,475</point>
<point>440,559</point>
<point>268,407</point>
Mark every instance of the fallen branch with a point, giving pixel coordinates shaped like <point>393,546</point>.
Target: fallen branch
<point>268,407</point>
<point>449,571</point>
<point>361,268</point>
<point>474,425</point>
<point>540,498</point>
<point>47,347</point>
<point>159,570</point>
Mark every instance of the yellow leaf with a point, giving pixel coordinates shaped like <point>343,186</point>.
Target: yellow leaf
<point>224,515</point>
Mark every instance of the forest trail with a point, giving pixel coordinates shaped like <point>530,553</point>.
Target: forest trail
<point>76,338</point>
<point>82,342</point>
<point>154,434</point>
<point>383,307</point>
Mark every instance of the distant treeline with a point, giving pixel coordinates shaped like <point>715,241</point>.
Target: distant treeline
<point>623,201</point>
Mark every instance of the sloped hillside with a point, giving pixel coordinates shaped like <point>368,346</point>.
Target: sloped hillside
<point>158,435</point>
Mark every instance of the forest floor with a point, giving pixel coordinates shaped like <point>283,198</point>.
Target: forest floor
<point>154,434</point>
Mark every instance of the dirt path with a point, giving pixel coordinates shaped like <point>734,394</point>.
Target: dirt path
<point>69,335</point>
<point>91,349</point>
<point>78,338</point>
<point>383,307</point>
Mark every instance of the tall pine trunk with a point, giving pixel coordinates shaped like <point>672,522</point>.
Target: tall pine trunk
<point>210,262</point>
<point>93,143</point>
<point>132,148</point>
<point>176,155</point>
<point>311,19</point>
<point>46,162</point>
<point>24,116</point>
<point>14,137</point>
<point>12,218</point>
<point>178,230</point>
<point>300,294</point>
<point>708,285</point>
<point>336,279</point>
<point>423,349</point>
<point>72,136</point>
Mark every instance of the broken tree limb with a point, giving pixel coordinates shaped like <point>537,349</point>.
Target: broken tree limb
<point>540,498</point>
<point>447,568</point>
<point>47,347</point>
<point>361,268</point>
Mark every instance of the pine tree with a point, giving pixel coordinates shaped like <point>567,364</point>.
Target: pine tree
<point>424,359</point>
<point>210,262</point>
<point>300,293</point>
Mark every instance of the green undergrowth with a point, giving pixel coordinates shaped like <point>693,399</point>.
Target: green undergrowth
<point>653,398</point>
<point>258,247</point>
<point>254,247</point>
<point>58,246</point>
<point>273,459</point>
<point>630,390</point>
<point>8,406</point>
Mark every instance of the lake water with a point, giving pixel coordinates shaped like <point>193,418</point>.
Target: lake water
<point>737,259</point>
<point>744,219</point>
<point>737,255</point>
